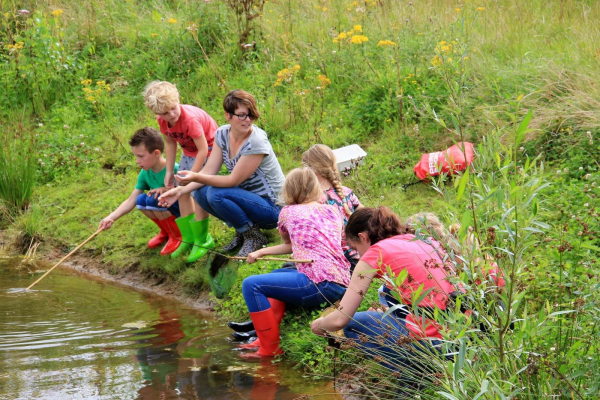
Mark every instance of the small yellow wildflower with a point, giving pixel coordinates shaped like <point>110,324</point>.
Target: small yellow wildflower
<point>436,61</point>
<point>357,28</point>
<point>386,43</point>
<point>57,13</point>
<point>172,20</point>
<point>457,9</point>
<point>324,9</point>
<point>358,39</point>
<point>154,35</point>
<point>480,8</point>
<point>339,37</point>
<point>86,82</point>
<point>325,81</point>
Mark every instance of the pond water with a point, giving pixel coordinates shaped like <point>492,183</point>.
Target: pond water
<point>72,337</point>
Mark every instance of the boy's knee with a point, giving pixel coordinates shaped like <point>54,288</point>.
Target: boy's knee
<point>140,201</point>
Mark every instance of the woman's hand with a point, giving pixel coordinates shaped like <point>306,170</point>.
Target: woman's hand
<point>168,198</point>
<point>315,326</point>
<point>186,177</point>
<point>252,257</point>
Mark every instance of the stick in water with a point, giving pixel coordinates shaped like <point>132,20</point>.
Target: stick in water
<point>64,258</point>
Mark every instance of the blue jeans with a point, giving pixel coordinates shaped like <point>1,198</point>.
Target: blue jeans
<point>145,202</point>
<point>377,336</point>
<point>291,287</point>
<point>238,208</point>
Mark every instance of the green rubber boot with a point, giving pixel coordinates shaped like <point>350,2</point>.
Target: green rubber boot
<point>202,240</point>
<point>187,236</point>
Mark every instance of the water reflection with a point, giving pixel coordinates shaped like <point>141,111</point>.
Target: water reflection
<point>76,338</point>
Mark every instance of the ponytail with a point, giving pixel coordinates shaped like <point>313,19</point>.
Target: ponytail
<point>379,223</point>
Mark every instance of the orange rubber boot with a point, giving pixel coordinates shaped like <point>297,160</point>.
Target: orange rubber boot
<point>174,236</point>
<point>267,329</point>
<point>278,308</point>
<point>162,236</point>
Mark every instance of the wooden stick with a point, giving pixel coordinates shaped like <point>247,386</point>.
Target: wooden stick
<point>64,258</point>
<point>272,259</point>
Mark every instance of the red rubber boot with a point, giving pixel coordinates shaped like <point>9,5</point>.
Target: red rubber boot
<point>267,329</point>
<point>162,236</point>
<point>174,236</point>
<point>278,308</point>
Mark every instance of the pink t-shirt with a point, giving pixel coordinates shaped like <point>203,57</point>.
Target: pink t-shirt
<point>192,124</point>
<point>315,231</point>
<point>424,265</point>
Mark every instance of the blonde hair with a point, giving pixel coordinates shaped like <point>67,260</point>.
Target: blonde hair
<point>432,225</point>
<point>301,186</point>
<point>321,159</point>
<point>161,96</point>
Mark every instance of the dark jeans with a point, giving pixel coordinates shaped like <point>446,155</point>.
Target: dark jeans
<point>238,208</point>
<point>291,287</point>
<point>145,202</point>
<point>389,338</point>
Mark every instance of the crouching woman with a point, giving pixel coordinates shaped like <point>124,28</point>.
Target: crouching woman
<point>384,245</point>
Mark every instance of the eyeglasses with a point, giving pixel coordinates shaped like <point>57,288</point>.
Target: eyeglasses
<point>242,117</point>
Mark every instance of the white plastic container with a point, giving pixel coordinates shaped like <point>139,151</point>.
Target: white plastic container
<point>345,155</point>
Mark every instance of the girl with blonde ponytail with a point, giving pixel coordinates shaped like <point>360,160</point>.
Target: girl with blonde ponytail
<point>322,161</point>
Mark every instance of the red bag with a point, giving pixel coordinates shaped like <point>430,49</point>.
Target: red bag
<point>446,162</point>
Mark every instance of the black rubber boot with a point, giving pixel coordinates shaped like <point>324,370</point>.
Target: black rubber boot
<point>243,336</point>
<point>241,326</point>
<point>253,240</point>
<point>236,242</point>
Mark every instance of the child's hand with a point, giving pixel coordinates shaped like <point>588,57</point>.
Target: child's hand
<point>315,326</point>
<point>169,180</point>
<point>106,223</point>
<point>157,192</point>
<point>253,256</point>
<point>185,177</point>
<point>168,198</point>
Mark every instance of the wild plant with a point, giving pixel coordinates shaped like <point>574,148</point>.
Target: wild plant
<point>17,168</point>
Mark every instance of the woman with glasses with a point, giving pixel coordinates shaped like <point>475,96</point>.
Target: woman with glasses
<point>245,199</point>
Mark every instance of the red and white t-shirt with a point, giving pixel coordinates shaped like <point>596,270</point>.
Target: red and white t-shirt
<point>192,124</point>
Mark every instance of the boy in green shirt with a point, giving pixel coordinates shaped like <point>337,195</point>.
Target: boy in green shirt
<point>147,145</point>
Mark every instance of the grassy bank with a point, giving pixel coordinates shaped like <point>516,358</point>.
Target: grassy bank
<point>400,79</point>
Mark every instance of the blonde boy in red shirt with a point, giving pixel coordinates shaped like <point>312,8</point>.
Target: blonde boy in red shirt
<point>194,130</point>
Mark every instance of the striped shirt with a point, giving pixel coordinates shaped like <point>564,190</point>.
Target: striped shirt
<point>268,178</point>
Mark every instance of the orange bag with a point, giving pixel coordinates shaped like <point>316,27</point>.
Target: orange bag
<point>445,162</point>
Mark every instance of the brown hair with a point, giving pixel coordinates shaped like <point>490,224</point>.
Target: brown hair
<point>239,97</point>
<point>150,138</point>
<point>321,159</point>
<point>161,96</point>
<point>300,187</point>
<point>379,223</point>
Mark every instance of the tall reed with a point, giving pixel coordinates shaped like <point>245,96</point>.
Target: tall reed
<point>17,169</point>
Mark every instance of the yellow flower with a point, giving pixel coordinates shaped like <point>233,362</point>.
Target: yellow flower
<point>172,20</point>
<point>480,8</point>
<point>57,13</point>
<point>357,28</point>
<point>359,39</point>
<point>339,37</point>
<point>436,61</point>
<point>324,80</point>
<point>457,9</point>
<point>86,82</point>
<point>324,9</point>
<point>386,43</point>
<point>154,35</point>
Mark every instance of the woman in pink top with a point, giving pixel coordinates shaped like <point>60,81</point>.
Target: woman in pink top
<point>311,231</point>
<point>384,245</point>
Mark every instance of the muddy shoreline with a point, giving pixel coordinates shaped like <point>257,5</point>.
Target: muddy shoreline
<point>130,278</point>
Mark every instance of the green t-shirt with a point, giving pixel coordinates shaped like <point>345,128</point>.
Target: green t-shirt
<point>148,180</point>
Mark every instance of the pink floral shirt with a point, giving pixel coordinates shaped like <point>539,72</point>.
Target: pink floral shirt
<point>315,231</point>
<point>331,197</point>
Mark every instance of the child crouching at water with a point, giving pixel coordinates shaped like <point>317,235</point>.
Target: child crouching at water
<point>321,160</point>
<point>147,145</point>
<point>311,231</point>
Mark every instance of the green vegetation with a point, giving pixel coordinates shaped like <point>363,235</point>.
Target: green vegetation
<point>400,79</point>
